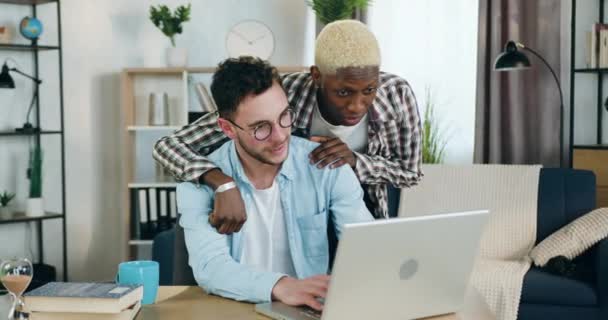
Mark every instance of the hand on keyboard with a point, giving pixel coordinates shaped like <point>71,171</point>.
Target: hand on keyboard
<point>311,313</point>
<point>296,292</point>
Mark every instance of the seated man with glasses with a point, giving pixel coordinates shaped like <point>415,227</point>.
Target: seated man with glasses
<point>281,252</point>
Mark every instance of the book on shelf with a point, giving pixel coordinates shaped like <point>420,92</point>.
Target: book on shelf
<point>204,98</point>
<point>173,204</point>
<point>135,229</point>
<point>127,314</point>
<point>596,43</point>
<point>143,213</point>
<point>603,44</point>
<point>153,207</point>
<point>83,297</point>
<point>164,221</point>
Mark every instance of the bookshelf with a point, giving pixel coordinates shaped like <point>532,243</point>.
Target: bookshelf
<point>587,97</point>
<point>138,140</point>
<point>51,141</point>
<point>142,183</point>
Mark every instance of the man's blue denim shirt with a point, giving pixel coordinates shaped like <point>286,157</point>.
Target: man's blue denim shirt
<point>309,198</point>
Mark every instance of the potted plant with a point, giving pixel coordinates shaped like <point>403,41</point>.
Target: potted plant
<point>35,204</point>
<point>170,23</point>
<point>331,10</point>
<point>5,199</point>
<point>433,138</point>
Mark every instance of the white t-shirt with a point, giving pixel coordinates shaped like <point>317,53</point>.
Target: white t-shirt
<point>265,242</point>
<point>355,136</point>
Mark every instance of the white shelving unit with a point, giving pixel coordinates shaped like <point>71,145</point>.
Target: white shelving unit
<point>139,136</point>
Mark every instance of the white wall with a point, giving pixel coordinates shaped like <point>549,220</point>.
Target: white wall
<point>433,43</point>
<point>100,38</point>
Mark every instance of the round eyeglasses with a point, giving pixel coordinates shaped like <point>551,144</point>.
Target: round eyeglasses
<point>263,130</point>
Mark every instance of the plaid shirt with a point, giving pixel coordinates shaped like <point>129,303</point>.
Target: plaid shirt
<point>393,154</point>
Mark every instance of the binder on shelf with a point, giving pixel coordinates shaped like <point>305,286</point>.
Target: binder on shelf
<point>163,203</point>
<point>173,205</point>
<point>164,222</point>
<point>153,210</point>
<point>142,200</point>
<point>135,208</point>
<point>153,218</point>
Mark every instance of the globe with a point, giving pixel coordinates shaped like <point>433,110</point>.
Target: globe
<point>30,28</point>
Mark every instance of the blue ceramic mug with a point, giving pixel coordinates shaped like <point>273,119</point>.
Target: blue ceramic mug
<point>140,272</point>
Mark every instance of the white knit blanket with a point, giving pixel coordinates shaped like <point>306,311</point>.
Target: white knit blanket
<point>510,192</point>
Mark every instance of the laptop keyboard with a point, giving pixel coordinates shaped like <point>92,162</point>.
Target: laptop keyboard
<point>311,313</point>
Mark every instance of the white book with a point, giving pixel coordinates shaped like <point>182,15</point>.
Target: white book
<point>128,314</point>
<point>603,48</point>
<point>153,207</point>
<point>84,297</point>
<point>143,205</point>
<point>205,99</point>
<point>163,203</point>
<point>173,204</point>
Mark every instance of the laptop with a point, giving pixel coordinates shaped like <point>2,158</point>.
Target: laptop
<point>402,268</point>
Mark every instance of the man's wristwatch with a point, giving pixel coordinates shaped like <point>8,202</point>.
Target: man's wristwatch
<point>225,187</point>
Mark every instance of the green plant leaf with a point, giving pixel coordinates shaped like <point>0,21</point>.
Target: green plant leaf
<point>433,139</point>
<point>331,10</point>
<point>5,198</point>
<point>170,23</point>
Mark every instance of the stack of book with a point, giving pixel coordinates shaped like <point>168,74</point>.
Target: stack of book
<point>597,46</point>
<point>73,300</point>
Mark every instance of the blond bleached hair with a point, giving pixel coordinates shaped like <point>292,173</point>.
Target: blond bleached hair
<point>346,43</point>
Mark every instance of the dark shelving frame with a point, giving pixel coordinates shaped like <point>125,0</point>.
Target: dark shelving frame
<point>599,72</point>
<point>35,49</point>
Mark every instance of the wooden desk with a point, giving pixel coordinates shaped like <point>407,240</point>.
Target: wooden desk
<point>183,302</point>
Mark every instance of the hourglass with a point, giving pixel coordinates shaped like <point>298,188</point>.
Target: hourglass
<point>16,275</point>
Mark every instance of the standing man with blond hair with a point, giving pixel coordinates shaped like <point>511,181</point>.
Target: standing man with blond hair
<point>362,117</point>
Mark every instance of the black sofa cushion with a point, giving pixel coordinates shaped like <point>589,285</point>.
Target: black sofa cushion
<point>541,287</point>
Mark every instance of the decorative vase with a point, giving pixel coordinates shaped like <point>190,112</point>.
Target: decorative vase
<point>34,207</point>
<point>177,57</point>
<point>6,212</point>
<point>158,111</point>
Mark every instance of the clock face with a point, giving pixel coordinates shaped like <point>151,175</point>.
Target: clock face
<point>250,37</point>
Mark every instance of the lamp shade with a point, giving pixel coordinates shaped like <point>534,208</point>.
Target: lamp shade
<point>511,59</point>
<point>6,81</point>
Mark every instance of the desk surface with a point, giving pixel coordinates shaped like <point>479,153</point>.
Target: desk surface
<point>183,302</point>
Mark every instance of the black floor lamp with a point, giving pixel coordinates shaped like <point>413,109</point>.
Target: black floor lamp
<point>7,82</point>
<point>513,59</point>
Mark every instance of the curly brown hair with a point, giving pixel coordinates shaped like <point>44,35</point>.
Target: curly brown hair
<point>237,78</point>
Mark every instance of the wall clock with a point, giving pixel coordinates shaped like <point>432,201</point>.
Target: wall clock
<point>250,37</point>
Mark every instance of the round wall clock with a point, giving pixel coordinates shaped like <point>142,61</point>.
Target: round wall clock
<point>250,37</point>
